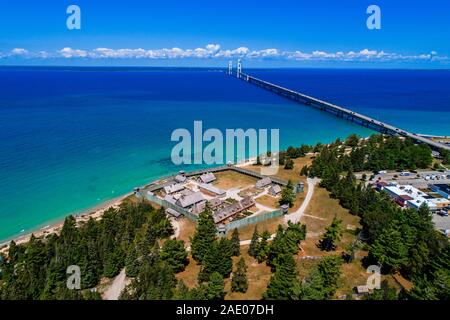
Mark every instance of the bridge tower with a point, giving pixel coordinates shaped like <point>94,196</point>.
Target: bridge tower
<point>230,68</point>
<point>239,68</point>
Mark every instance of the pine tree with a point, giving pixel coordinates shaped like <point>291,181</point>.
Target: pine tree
<point>311,288</point>
<point>252,249</point>
<point>304,171</point>
<point>289,164</point>
<point>263,248</point>
<point>174,253</point>
<point>322,281</point>
<point>114,263</point>
<point>235,243</point>
<point>330,270</point>
<point>218,259</point>
<point>332,234</point>
<point>389,249</point>
<point>204,237</point>
<point>131,262</point>
<point>182,292</point>
<point>239,281</point>
<point>281,283</point>
<point>216,287</point>
<point>288,195</point>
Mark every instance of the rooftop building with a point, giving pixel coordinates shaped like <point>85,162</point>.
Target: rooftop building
<point>275,190</point>
<point>174,188</point>
<point>187,201</point>
<point>408,196</point>
<point>233,209</point>
<point>180,178</point>
<point>170,199</point>
<point>173,212</point>
<point>264,182</point>
<point>199,207</point>
<point>209,188</point>
<point>442,189</point>
<point>207,177</point>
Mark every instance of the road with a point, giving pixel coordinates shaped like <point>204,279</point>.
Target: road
<point>116,287</point>
<point>296,215</point>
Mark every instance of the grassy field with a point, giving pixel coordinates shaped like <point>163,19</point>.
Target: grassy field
<point>187,229</point>
<point>258,276</point>
<point>231,179</point>
<point>318,216</point>
<point>268,201</point>
<point>190,274</point>
<point>294,174</point>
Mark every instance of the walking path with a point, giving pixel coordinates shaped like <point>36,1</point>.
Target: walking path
<point>296,215</point>
<point>116,287</point>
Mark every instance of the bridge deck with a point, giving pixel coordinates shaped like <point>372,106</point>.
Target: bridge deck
<point>342,112</point>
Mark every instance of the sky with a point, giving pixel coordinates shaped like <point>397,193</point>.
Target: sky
<point>263,33</point>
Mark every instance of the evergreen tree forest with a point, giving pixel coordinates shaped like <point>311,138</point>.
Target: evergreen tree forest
<point>400,240</point>
<point>125,237</point>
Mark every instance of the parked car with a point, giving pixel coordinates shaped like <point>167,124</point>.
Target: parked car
<point>442,213</point>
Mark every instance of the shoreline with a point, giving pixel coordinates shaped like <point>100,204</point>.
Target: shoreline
<point>95,212</point>
<point>55,226</point>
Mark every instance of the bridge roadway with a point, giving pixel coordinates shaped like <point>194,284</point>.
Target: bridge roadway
<point>341,112</point>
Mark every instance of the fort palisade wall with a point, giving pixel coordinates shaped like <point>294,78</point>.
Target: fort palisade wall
<point>237,224</point>
<point>251,220</point>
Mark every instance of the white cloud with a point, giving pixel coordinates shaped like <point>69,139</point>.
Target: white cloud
<point>71,53</point>
<point>19,52</point>
<point>214,51</point>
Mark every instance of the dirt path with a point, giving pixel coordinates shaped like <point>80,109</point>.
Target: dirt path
<point>295,216</point>
<point>116,287</point>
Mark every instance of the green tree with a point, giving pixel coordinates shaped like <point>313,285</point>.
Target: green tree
<point>289,164</point>
<point>239,281</point>
<point>352,140</point>
<point>252,249</point>
<point>132,262</point>
<point>174,253</point>
<point>288,195</point>
<point>311,288</point>
<point>384,293</point>
<point>216,287</point>
<point>304,171</point>
<point>204,236</point>
<point>322,282</point>
<point>235,243</point>
<point>445,154</point>
<point>332,234</point>
<point>281,285</point>
<point>389,249</point>
<point>263,248</point>
<point>218,259</point>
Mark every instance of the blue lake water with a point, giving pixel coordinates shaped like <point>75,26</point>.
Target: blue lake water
<point>71,139</point>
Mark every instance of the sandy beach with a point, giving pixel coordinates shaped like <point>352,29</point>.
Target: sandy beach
<point>94,213</point>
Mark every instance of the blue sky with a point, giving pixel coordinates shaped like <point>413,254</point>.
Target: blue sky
<point>331,33</point>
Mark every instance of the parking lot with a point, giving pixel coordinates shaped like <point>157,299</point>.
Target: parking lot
<point>419,180</point>
<point>441,223</point>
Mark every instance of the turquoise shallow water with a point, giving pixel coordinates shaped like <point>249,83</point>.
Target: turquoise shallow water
<point>74,139</point>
